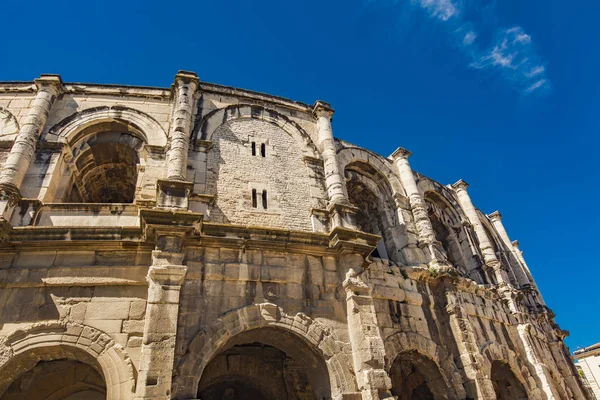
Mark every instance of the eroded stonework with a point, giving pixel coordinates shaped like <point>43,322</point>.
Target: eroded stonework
<point>206,242</point>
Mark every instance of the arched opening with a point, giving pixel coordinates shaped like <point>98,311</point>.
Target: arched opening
<point>104,166</point>
<point>506,384</point>
<point>446,226</point>
<point>416,377</point>
<point>265,364</point>
<point>61,379</point>
<point>376,209</point>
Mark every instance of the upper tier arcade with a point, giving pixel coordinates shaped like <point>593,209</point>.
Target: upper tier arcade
<point>105,157</point>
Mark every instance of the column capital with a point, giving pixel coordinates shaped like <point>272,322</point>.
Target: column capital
<point>50,81</point>
<point>186,77</point>
<point>460,185</point>
<point>401,152</point>
<point>321,108</point>
<point>495,216</point>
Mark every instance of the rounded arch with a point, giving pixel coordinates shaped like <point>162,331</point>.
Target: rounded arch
<point>223,332</point>
<point>376,166</point>
<point>50,341</point>
<point>69,130</point>
<point>427,352</point>
<point>211,121</point>
<point>495,355</point>
<point>8,123</point>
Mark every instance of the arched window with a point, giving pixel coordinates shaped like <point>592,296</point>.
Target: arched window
<point>104,166</point>
<point>506,384</point>
<point>447,229</point>
<point>415,376</point>
<point>377,214</point>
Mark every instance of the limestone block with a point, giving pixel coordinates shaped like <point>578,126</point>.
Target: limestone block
<point>108,310</point>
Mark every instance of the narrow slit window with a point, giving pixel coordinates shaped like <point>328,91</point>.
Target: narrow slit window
<point>263,150</point>
<point>264,199</point>
<point>253,148</point>
<point>254,202</point>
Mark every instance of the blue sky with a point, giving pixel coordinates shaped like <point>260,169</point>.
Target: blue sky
<point>502,94</point>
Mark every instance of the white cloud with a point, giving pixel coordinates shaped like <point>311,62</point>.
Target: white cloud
<point>469,38</point>
<point>511,51</point>
<point>442,9</point>
<point>540,69</point>
<point>537,85</point>
<point>514,56</point>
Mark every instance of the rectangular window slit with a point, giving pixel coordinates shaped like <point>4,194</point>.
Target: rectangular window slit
<point>263,150</point>
<point>254,202</point>
<point>264,199</point>
<point>253,148</point>
<point>151,381</point>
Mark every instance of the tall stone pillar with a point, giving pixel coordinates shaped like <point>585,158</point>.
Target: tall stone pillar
<point>419,209</point>
<point>184,89</point>
<point>340,211</point>
<point>367,345</point>
<point>519,271</point>
<point>519,254</point>
<point>165,278</point>
<point>478,385</point>
<point>485,245</point>
<point>16,165</point>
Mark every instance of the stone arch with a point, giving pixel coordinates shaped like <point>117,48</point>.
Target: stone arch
<point>494,352</point>
<point>449,230</point>
<point>352,155</point>
<point>375,190</point>
<point>211,121</point>
<point>104,152</point>
<point>150,131</point>
<point>212,340</point>
<point>516,274</point>
<point>8,123</point>
<point>48,341</point>
<point>438,357</point>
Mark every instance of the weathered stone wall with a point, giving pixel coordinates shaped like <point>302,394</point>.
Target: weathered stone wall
<point>360,279</point>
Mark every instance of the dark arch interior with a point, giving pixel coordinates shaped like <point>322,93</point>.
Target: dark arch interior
<point>265,364</point>
<point>372,215</point>
<point>415,377</point>
<point>506,384</point>
<point>105,164</point>
<point>58,379</point>
<point>447,230</point>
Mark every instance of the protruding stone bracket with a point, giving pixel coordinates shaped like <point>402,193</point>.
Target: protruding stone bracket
<point>173,193</point>
<point>342,215</point>
<point>349,240</point>
<point>171,274</point>
<point>165,223</point>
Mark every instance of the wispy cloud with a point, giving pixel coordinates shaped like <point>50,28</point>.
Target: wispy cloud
<point>442,9</point>
<point>510,52</point>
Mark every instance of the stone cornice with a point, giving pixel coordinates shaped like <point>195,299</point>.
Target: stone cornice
<point>322,108</point>
<point>400,152</point>
<point>461,184</point>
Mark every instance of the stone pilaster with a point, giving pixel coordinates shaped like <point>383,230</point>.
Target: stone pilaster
<point>367,345</point>
<point>165,278</point>
<point>478,385</point>
<point>485,244</point>
<point>518,269</point>
<point>16,165</point>
<point>339,209</point>
<point>417,205</point>
<point>184,89</point>
<point>541,371</point>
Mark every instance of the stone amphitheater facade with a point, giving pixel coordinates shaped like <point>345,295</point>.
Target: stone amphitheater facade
<point>207,242</point>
